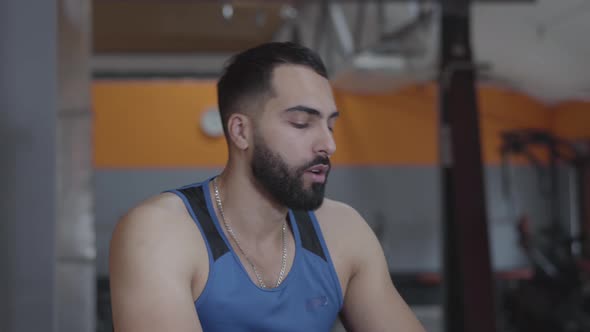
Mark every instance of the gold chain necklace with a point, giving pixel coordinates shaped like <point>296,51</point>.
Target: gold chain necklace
<point>233,236</point>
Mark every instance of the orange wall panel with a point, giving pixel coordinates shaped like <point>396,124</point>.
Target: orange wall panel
<point>502,110</point>
<point>389,129</point>
<point>141,124</point>
<point>571,120</point>
<point>153,124</point>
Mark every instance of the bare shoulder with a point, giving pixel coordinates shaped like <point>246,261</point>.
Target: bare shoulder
<point>371,302</point>
<point>153,212</point>
<point>160,218</point>
<point>348,236</point>
<point>153,261</point>
<point>158,229</point>
<point>342,219</point>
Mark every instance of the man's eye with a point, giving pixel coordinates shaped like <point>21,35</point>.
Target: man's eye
<point>300,125</point>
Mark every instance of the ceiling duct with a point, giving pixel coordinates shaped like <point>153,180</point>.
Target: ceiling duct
<point>405,54</point>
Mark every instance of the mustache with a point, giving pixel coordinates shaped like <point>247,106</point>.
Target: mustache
<point>319,160</point>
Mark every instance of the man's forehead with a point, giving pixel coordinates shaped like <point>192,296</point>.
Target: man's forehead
<point>299,85</point>
<point>286,74</point>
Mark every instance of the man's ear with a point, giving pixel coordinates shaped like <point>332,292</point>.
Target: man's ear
<point>239,128</point>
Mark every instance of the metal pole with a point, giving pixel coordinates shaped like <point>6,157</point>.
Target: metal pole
<point>469,304</point>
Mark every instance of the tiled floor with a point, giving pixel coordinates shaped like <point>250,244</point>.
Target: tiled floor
<point>429,316</point>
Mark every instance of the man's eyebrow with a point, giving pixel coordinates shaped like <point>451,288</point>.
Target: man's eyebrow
<point>310,111</point>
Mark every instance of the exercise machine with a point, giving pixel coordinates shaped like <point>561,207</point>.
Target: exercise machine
<point>557,297</point>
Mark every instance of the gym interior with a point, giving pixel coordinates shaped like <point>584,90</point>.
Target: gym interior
<point>464,141</point>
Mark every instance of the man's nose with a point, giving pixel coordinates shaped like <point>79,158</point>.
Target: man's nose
<point>326,143</point>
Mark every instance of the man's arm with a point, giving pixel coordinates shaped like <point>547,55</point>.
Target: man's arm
<point>150,273</point>
<point>372,303</point>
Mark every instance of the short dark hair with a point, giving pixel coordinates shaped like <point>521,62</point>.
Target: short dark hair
<point>249,73</point>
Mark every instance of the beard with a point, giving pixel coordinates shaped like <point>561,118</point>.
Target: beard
<point>285,184</point>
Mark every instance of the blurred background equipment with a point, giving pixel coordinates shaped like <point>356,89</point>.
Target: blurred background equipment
<point>557,297</point>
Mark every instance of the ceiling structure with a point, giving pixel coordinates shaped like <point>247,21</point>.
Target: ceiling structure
<point>538,47</point>
<point>140,27</point>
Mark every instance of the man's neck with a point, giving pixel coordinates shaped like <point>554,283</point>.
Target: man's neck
<point>251,212</point>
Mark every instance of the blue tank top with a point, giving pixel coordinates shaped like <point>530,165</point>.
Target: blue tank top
<point>308,299</point>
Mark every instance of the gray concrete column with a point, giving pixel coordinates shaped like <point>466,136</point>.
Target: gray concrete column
<point>47,249</point>
<point>28,111</point>
<point>75,240</point>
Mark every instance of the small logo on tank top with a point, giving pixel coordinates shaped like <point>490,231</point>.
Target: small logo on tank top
<point>316,303</point>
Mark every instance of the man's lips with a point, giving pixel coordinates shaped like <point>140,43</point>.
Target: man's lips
<point>318,173</point>
<point>319,169</point>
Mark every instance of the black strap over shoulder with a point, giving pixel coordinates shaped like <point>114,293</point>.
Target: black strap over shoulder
<point>309,236</point>
<point>196,199</point>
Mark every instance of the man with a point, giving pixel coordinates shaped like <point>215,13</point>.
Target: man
<point>258,248</point>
